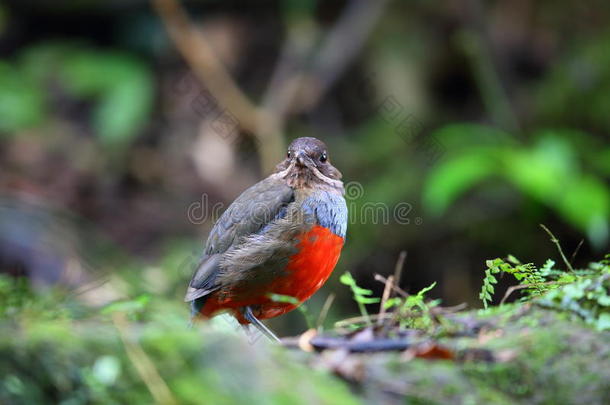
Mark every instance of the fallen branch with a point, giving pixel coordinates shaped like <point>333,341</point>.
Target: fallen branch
<point>377,345</point>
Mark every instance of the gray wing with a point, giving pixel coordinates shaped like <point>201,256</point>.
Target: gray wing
<point>247,215</point>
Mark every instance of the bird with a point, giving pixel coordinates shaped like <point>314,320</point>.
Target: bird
<point>283,236</point>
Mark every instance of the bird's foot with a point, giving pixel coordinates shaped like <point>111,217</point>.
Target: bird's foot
<point>249,316</point>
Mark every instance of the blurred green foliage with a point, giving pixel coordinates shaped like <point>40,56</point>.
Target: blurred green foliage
<point>21,101</point>
<point>56,350</point>
<point>585,294</point>
<point>577,90</point>
<point>519,107</point>
<point>552,169</point>
<point>362,296</point>
<point>118,85</point>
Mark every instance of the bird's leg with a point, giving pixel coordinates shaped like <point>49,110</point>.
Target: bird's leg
<point>247,313</point>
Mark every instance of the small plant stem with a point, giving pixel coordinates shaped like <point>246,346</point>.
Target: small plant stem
<point>556,242</point>
<point>400,264</point>
<point>364,313</point>
<point>386,294</point>
<point>304,309</point>
<point>324,312</point>
<point>144,366</point>
<point>576,251</point>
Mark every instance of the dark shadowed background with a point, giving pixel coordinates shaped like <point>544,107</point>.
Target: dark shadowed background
<point>459,127</point>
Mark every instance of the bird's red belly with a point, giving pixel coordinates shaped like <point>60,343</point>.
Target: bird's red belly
<point>318,252</point>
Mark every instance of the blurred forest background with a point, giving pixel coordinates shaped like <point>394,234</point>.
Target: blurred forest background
<point>124,123</point>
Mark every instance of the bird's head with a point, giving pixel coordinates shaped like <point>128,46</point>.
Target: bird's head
<point>307,164</point>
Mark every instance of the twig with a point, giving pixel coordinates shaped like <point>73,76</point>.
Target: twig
<point>200,56</point>
<point>296,90</point>
<point>144,365</point>
<point>377,345</point>
<point>477,46</point>
<point>384,298</point>
<point>400,264</point>
<point>576,251</point>
<point>267,122</point>
<point>287,77</point>
<point>305,86</point>
<point>206,66</point>
<point>325,308</point>
<point>379,277</point>
<point>341,45</point>
<point>90,286</point>
<point>391,286</point>
<point>556,242</point>
<point>514,288</point>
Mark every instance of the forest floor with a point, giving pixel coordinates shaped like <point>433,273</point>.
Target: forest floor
<point>551,346</point>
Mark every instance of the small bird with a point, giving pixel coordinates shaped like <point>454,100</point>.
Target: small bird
<point>281,236</point>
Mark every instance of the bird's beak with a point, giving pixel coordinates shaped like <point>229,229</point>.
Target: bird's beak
<point>301,159</point>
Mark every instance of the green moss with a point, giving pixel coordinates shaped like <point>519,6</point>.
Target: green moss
<point>53,349</point>
<point>50,357</point>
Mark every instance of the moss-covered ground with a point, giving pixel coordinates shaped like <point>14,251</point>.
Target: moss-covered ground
<point>55,349</point>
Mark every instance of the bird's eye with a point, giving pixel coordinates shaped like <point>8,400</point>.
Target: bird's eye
<point>288,154</point>
<point>323,157</point>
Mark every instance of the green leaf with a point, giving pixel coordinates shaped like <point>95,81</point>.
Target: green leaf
<point>460,137</point>
<point>392,302</point>
<point>121,85</point>
<point>603,322</point>
<point>426,289</point>
<point>453,177</point>
<point>366,300</point>
<point>347,279</point>
<point>548,266</point>
<point>512,259</point>
<point>586,203</point>
<point>361,291</point>
<point>566,278</point>
<point>535,171</point>
<point>129,306</point>
<point>21,100</point>
<point>283,298</point>
<point>604,300</point>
